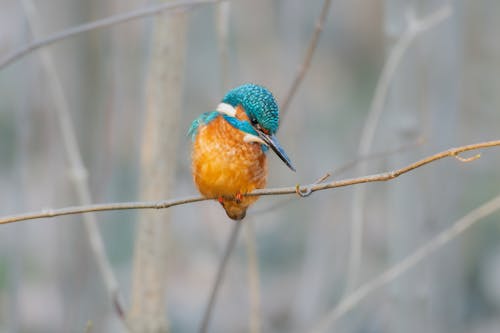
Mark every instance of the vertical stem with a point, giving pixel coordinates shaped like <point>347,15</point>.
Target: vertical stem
<point>304,67</point>
<point>396,56</point>
<point>424,87</point>
<point>159,148</point>
<point>78,172</point>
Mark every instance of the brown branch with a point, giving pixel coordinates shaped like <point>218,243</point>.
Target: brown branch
<point>98,24</point>
<point>45,213</point>
<point>343,168</point>
<point>453,152</point>
<point>301,73</point>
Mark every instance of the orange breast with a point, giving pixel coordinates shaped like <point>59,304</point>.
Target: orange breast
<point>224,165</point>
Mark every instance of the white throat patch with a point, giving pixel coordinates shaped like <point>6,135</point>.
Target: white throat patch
<point>226,109</point>
<point>252,138</point>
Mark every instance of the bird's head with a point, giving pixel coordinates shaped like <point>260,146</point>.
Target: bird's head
<point>263,112</point>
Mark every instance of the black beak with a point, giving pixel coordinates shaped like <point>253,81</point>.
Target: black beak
<point>272,141</point>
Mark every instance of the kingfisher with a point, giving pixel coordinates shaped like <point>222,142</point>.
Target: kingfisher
<point>230,145</point>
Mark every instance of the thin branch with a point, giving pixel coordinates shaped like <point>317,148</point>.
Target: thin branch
<point>386,176</point>
<point>415,27</point>
<point>78,174</point>
<point>436,243</point>
<point>301,73</point>
<point>220,276</point>
<point>45,213</point>
<point>345,167</point>
<point>18,54</point>
<point>453,152</point>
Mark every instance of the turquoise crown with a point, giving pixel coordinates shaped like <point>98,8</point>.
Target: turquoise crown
<point>259,104</point>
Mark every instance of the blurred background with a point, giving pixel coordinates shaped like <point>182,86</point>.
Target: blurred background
<point>443,92</point>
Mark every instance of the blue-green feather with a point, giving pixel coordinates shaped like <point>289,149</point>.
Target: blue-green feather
<point>259,104</point>
<point>203,119</point>
<point>207,117</point>
<point>244,126</point>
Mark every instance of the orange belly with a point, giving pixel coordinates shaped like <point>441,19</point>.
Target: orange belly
<point>225,166</point>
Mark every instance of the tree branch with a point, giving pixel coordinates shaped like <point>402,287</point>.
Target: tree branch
<point>18,54</point>
<point>303,190</point>
<point>301,73</point>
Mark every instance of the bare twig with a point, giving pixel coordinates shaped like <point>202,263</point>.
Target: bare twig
<point>235,228</point>
<point>345,167</point>
<point>78,174</point>
<point>103,23</point>
<point>45,213</point>
<point>449,234</point>
<point>413,30</point>
<point>386,176</point>
<point>305,192</point>
<point>301,73</point>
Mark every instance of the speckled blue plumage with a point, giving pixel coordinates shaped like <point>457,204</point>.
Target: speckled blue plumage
<point>229,143</point>
<point>207,117</point>
<point>257,101</point>
<point>204,118</point>
<point>242,125</point>
<point>259,104</point>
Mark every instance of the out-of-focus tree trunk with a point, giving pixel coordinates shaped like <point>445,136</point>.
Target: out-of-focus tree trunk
<point>423,101</point>
<point>158,161</point>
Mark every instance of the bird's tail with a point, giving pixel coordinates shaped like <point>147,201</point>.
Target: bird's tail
<point>234,209</point>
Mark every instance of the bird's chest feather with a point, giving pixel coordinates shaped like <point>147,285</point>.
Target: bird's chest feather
<point>223,164</point>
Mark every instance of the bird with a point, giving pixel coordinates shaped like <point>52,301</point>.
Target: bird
<point>229,146</point>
